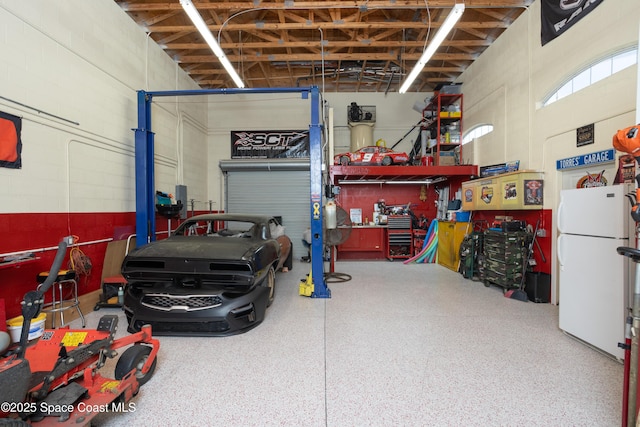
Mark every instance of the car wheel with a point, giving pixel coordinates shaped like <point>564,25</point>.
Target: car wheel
<point>135,357</point>
<point>270,282</point>
<point>344,161</point>
<point>386,161</point>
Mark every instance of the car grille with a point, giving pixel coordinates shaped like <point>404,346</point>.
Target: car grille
<point>168,302</point>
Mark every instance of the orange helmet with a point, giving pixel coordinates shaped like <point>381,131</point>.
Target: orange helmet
<point>628,140</point>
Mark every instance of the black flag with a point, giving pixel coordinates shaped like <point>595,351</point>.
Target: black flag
<point>557,16</point>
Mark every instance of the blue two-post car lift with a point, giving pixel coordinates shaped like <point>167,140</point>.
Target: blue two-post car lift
<point>145,189</point>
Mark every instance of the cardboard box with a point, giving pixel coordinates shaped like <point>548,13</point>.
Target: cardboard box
<point>447,161</point>
<point>446,158</point>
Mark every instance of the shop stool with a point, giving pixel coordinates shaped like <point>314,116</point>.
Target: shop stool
<point>111,287</point>
<point>65,298</point>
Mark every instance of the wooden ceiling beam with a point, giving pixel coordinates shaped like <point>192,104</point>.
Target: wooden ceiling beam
<point>428,69</point>
<point>290,26</point>
<point>279,43</point>
<point>482,35</point>
<point>328,57</point>
<point>354,45</point>
<point>368,5</point>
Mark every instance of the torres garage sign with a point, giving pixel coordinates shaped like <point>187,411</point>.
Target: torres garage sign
<point>599,157</point>
<point>269,144</point>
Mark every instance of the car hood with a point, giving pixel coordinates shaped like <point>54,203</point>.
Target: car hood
<point>220,248</point>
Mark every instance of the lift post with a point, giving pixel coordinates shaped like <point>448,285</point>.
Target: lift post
<point>144,164</point>
<point>320,289</point>
<point>145,192</point>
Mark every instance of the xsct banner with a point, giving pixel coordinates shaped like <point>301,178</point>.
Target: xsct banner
<point>269,144</point>
<point>559,15</point>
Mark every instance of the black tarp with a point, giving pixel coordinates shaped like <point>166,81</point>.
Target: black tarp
<point>557,16</point>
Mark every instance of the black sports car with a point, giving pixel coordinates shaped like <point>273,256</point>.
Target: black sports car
<point>215,275</point>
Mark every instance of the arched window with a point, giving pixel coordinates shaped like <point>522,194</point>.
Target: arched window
<point>476,132</point>
<point>599,70</point>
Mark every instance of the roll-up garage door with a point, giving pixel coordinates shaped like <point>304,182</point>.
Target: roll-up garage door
<point>280,188</point>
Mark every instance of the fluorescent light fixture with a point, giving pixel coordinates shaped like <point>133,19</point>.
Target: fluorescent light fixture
<point>421,181</point>
<point>442,33</point>
<point>211,41</point>
<point>428,181</point>
<point>360,181</point>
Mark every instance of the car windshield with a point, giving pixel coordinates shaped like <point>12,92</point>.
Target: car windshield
<point>211,228</point>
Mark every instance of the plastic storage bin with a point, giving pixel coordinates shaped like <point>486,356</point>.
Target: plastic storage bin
<point>538,286</point>
<point>14,327</point>
<point>463,216</point>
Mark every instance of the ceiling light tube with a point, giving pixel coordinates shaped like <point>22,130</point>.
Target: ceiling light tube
<point>197,20</point>
<point>360,181</point>
<point>419,181</point>
<point>442,33</point>
<point>390,181</point>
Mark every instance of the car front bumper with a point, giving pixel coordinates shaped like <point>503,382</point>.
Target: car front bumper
<point>195,314</point>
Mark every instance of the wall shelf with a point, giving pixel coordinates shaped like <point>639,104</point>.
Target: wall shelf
<point>18,262</point>
<point>399,174</point>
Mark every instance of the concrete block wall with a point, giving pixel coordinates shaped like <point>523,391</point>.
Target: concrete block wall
<point>61,61</point>
<point>78,172</point>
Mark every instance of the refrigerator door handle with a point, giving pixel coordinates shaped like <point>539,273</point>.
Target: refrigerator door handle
<point>560,218</point>
<point>560,251</point>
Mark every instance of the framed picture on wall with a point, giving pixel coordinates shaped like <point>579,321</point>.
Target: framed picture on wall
<point>10,141</point>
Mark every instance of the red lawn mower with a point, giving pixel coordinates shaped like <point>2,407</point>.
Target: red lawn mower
<point>56,381</point>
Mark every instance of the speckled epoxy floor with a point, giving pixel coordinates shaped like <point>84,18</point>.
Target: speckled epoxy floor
<point>398,345</point>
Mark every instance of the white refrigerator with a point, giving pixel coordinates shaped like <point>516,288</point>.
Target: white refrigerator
<point>594,280</point>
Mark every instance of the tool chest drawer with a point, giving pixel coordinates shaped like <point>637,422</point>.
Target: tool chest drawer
<point>399,237</point>
<point>504,257</point>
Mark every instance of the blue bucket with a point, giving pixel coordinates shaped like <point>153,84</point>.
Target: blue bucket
<point>463,216</point>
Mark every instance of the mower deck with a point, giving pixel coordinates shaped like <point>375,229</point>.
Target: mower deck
<point>65,386</point>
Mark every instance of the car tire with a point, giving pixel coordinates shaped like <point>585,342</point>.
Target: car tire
<point>289,261</point>
<point>270,282</point>
<point>135,357</point>
<point>344,161</point>
<point>386,161</point>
